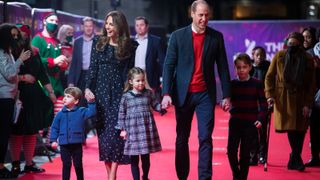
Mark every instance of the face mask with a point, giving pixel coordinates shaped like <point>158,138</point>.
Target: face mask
<point>292,49</point>
<point>51,28</point>
<point>69,39</point>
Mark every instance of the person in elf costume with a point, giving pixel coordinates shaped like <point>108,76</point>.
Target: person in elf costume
<point>52,59</point>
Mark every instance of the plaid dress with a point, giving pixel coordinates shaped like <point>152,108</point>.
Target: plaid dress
<point>135,116</point>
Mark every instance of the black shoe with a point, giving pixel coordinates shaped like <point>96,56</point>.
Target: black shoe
<point>295,163</point>
<point>15,170</point>
<point>313,163</point>
<point>5,174</point>
<point>33,169</point>
<point>262,160</point>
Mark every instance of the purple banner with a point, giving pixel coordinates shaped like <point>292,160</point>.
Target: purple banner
<point>243,36</point>
<point>19,13</point>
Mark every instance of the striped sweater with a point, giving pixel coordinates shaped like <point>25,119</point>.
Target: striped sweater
<point>248,100</point>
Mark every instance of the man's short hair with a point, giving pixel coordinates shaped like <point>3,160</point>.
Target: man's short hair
<point>86,19</point>
<point>74,91</point>
<point>196,3</point>
<point>142,18</point>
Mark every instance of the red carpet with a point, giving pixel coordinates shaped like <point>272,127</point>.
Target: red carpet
<point>162,163</point>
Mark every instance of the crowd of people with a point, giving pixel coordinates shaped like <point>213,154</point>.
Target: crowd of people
<point>113,81</point>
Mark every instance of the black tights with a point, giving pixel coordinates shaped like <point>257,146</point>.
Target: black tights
<point>296,139</point>
<point>145,159</point>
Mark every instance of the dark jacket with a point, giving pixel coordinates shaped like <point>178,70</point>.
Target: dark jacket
<point>154,61</point>
<point>179,64</point>
<point>68,127</point>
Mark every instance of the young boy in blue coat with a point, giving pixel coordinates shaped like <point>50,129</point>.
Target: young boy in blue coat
<point>68,129</point>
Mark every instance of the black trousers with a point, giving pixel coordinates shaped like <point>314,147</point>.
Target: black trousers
<point>71,152</point>
<point>241,134</point>
<point>145,159</point>
<point>6,119</point>
<point>315,133</point>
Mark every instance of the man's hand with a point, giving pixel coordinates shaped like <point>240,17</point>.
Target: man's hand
<point>166,102</point>
<point>226,104</point>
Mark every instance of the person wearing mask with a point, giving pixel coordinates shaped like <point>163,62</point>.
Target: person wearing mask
<point>290,89</point>
<point>35,105</point>
<point>54,62</point>
<point>9,69</point>
<point>310,35</point>
<point>65,37</point>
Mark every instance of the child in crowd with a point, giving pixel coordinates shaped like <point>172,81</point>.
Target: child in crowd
<point>137,124</point>
<point>259,71</point>
<point>248,110</point>
<point>68,128</point>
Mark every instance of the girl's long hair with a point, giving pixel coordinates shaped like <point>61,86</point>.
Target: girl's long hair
<point>132,72</point>
<point>124,48</point>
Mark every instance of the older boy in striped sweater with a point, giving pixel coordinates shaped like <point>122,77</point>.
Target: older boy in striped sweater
<point>247,111</point>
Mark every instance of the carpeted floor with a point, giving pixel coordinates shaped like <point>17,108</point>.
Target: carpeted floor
<point>162,163</point>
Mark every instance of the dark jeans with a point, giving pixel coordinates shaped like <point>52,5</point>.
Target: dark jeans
<point>204,108</point>
<point>71,152</point>
<point>315,133</point>
<point>145,159</point>
<point>6,119</point>
<point>241,133</point>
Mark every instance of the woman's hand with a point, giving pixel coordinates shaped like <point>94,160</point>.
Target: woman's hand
<point>28,78</point>
<point>24,55</point>
<point>89,95</point>
<point>306,112</point>
<point>123,134</point>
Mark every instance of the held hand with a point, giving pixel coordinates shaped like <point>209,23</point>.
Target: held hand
<point>89,95</point>
<point>226,104</point>
<point>306,112</point>
<point>54,145</point>
<point>166,102</point>
<point>24,55</point>
<point>28,78</point>
<point>258,124</point>
<point>270,102</point>
<point>123,134</point>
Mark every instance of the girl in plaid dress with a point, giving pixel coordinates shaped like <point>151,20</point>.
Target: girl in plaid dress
<point>137,124</point>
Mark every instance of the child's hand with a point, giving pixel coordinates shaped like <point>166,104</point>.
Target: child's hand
<point>163,112</point>
<point>123,134</point>
<point>54,145</point>
<point>258,124</point>
<point>226,104</point>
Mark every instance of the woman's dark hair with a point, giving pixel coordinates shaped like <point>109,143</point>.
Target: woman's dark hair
<point>124,48</point>
<point>312,32</point>
<point>6,39</point>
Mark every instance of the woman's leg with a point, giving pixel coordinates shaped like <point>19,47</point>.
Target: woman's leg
<point>15,143</point>
<point>113,171</point>
<point>108,168</point>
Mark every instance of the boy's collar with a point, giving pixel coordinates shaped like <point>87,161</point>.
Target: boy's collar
<point>245,79</point>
